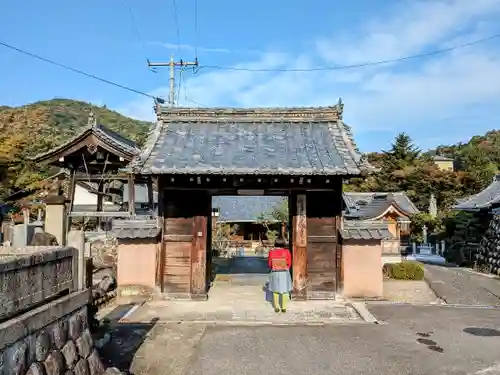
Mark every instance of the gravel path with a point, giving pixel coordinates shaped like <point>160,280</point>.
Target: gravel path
<point>461,286</point>
<point>407,291</point>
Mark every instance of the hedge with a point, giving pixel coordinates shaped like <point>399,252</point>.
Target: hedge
<point>406,270</point>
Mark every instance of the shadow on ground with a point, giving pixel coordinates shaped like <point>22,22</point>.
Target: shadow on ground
<point>483,332</point>
<point>126,339</point>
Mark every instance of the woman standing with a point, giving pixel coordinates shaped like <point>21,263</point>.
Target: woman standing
<point>280,281</point>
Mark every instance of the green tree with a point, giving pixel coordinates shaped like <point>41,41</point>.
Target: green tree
<point>278,214</point>
<point>402,153</point>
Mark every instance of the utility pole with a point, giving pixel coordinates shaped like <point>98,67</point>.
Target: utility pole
<point>172,64</point>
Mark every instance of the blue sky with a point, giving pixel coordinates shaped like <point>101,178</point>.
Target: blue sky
<point>438,100</point>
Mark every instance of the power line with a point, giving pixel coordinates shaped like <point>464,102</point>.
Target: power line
<point>136,28</point>
<point>81,72</point>
<point>361,65</point>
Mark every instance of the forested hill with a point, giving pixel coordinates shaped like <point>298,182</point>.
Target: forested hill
<point>40,126</point>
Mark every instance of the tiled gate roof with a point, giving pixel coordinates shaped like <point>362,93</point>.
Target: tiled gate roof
<point>301,141</point>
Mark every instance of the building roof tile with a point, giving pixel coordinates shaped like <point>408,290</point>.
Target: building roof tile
<point>483,200</point>
<point>245,209</point>
<point>307,141</point>
<point>368,205</point>
<point>135,228</point>
<point>365,230</point>
<point>102,133</point>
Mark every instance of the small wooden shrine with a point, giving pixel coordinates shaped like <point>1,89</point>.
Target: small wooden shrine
<point>96,157</point>
<point>301,153</point>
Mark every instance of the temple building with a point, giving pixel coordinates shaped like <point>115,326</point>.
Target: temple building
<point>91,166</point>
<point>392,211</point>
<point>194,156</point>
<point>486,200</point>
<point>394,208</point>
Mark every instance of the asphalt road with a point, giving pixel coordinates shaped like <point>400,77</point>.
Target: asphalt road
<point>459,286</point>
<point>416,340</point>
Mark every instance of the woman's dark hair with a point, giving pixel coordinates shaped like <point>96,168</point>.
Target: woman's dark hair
<point>280,242</point>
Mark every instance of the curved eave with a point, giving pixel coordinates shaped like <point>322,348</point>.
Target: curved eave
<point>60,149</point>
<point>393,206</point>
<point>340,172</point>
<point>103,140</point>
<point>128,152</point>
<point>365,168</point>
<point>488,197</point>
<point>472,208</point>
<point>384,210</point>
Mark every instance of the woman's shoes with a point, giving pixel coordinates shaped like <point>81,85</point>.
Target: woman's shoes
<point>276,310</point>
<point>283,311</point>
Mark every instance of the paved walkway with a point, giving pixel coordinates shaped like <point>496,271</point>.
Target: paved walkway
<point>461,286</point>
<point>417,340</point>
<point>239,296</point>
<point>241,305</point>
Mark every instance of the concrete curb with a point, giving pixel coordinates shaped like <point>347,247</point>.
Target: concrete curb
<point>488,275</point>
<point>360,308</point>
<point>450,305</point>
<point>250,323</point>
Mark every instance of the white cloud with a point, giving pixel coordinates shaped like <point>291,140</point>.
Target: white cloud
<point>415,96</point>
<point>409,28</point>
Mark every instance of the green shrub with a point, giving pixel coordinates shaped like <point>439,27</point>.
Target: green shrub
<point>406,270</point>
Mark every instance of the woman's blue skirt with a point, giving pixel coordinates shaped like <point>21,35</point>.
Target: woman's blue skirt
<point>280,282</point>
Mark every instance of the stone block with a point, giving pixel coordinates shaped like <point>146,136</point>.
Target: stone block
<point>84,344</point>
<point>60,333</point>
<point>95,365</point>
<point>16,359</point>
<point>75,327</point>
<point>70,354</point>
<point>43,346</point>
<point>69,372</point>
<point>113,371</point>
<point>54,364</point>
<point>31,342</point>
<point>83,316</point>
<point>27,279</point>
<point>81,367</point>
<point>36,369</point>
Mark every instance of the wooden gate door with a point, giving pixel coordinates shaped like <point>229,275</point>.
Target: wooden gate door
<point>323,209</point>
<point>185,236</point>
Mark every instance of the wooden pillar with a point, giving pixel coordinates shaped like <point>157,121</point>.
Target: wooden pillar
<point>199,258</point>
<point>131,195</point>
<point>160,261</point>
<point>71,198</point>
<point>100,196</point>
<point>297,204</point>
<point>151,202</point>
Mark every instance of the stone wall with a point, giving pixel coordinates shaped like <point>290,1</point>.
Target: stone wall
<point>28,279</point>
<point>53,339</point>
